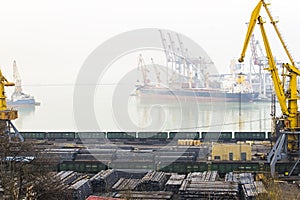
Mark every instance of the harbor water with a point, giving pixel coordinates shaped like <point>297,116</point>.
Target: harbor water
<point>57,113</point>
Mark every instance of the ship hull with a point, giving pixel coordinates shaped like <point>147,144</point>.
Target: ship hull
<point>22,102</point>
<point>195,94</point>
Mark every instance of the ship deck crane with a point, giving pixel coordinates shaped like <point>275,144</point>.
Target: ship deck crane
<point>143,68</point>
<point>6,115</point>
<point>157,73</point>
<point>287,143</point>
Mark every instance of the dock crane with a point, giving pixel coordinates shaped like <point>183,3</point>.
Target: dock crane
<point>287,144</point>
<point>6,115</point>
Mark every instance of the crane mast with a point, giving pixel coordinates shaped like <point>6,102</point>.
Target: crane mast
<point>6,115</point>
<point>288,139</point>
<point>142,66</point>
<point>157,73</point>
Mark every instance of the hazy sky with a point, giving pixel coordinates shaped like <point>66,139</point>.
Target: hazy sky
<point>51,39</point>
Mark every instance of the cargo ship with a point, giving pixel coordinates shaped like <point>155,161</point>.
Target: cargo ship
<point>234,88</point>
<point>21,99</point>
<point>198,94</point>
<point>190,77</point>
<point>18,97</point>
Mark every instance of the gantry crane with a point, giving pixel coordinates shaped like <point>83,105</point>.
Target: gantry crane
<point>287,143</point>
<point>6,115</point>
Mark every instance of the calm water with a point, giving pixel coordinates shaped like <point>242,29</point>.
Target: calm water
<point>56,113</point>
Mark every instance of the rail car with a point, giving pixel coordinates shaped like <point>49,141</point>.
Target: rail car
<point>217,136</point>
<point>184,135</point>
<point>97,136</point>
<point>222,167</point>
<point>258,136</point>
<point>90,166</point>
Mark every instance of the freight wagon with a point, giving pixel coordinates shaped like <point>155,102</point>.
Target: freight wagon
<point>143,136</point>
<point>180,167</point>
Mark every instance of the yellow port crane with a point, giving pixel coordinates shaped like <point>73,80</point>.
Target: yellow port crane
<point>6,115</point>
<point>287,143</point>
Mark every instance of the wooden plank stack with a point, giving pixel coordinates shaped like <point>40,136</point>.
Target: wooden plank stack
<point>250,189</point>
<point>81,189</point>
<point>174,183</point>
<point>66,177</point>
<point>125,184</point>
<point>152,181</point>
<point>104,180</point>
<point>149,195</point>
<point>204,185</point>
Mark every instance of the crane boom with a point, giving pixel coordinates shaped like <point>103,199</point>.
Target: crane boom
<point>288,109</point>
<point>287,98</point>
<point>251,26</point>
<point>273,70</point>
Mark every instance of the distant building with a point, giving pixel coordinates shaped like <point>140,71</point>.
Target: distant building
<point>229,152</point>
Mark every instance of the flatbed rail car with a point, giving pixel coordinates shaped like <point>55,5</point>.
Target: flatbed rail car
<point>223,167</point>
<point>142,136</point>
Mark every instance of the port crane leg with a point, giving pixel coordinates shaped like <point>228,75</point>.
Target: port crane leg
<point>277,152</point>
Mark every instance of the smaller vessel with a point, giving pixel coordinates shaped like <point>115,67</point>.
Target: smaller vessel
<point>18,97</point>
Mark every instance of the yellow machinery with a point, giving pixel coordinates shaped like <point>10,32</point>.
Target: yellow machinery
<point>6,115</point>
<point>289,129</point>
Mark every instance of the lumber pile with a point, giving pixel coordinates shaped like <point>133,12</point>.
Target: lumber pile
<point>149,195</point>
<point>204,185</point>
<point>152,181</point>
<point>104,180</point>
<point>174,183</point>
<point>124,184</point>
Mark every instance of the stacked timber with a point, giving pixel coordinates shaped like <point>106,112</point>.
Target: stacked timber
<point>174,183</point>
<point>203,176</point>
<point>208,190</point>
<point>67,177</point>
<point>125,184</point>
<point>242,178</point>
<point>81,189</point>
<point>204,185</point>
<point>149,195</point>
<point>104,180</point>
<point>152,181</point>
<point>250,189</point>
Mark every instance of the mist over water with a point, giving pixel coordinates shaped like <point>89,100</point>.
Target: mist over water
<point>56,113</point>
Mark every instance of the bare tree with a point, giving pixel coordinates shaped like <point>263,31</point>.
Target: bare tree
<point>26,172</point>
